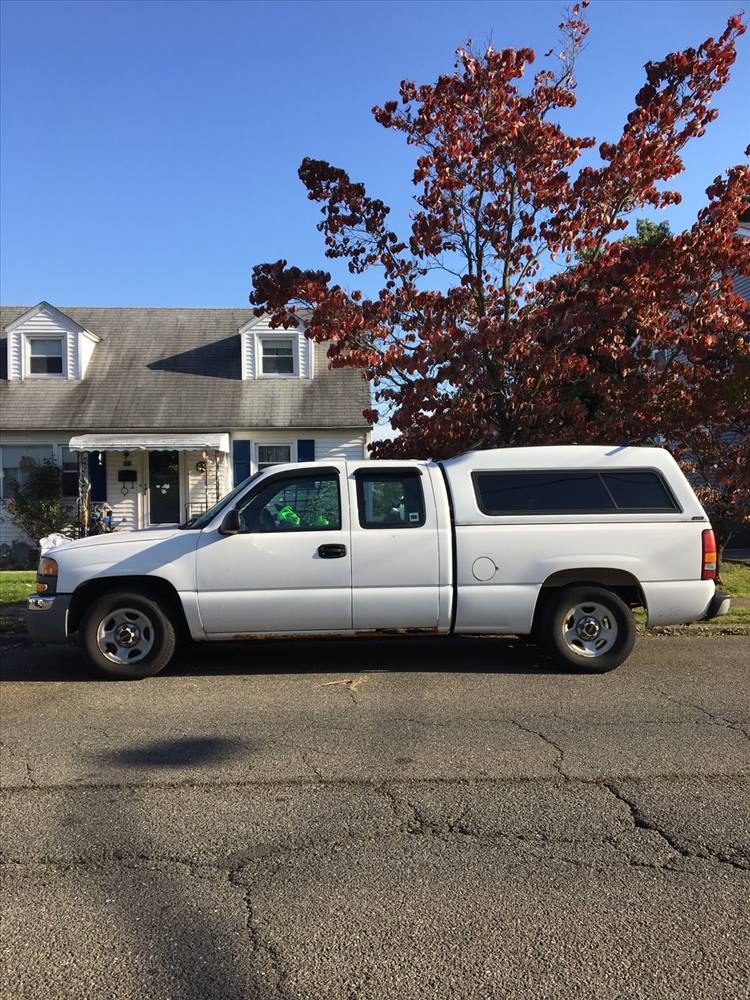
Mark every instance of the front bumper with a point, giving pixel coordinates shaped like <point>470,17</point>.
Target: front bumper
<point>719,605</point>
<point>47,617</point>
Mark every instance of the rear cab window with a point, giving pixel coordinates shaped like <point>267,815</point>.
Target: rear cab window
<point>391,498</point>
<point>572,492</point>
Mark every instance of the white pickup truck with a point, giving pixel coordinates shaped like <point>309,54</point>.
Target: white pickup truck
<point>559,543</point>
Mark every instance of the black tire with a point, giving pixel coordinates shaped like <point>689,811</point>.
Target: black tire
<point>607,611</point>
<point>143,615</point>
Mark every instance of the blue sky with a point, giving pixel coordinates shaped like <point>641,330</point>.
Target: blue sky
<point>150,150</point>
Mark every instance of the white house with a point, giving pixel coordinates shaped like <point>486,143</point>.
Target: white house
<point>165,408</point>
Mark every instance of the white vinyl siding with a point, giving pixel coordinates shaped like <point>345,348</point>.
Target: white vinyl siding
<point>349,446</point>
<point>15,355</point>
<point>124,498</point>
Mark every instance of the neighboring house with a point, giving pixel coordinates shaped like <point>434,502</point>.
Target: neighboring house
<point>163,410</point>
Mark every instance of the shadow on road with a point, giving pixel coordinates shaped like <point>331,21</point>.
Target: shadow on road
<point>466,654</point>
<point>174,753</point>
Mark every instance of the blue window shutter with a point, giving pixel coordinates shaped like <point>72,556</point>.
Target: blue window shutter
<point>306,450</point>
<point>240,460</point>
<point>98,476</point>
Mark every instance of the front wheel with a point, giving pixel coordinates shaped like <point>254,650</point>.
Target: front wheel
<point>127,636</point>
<point>589,628</point>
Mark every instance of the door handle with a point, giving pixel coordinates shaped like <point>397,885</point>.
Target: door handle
<point>332,551</point>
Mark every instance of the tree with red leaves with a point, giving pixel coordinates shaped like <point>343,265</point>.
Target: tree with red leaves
<point>547,327</point>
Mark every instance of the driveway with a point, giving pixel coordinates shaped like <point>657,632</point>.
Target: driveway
<point>390,820</point>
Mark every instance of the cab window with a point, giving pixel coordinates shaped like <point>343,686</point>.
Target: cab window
<point>293,504</point>
<point>390,499</point>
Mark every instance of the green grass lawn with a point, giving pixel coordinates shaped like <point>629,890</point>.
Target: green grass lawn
<point>15,585</point>
<point>735,577</point>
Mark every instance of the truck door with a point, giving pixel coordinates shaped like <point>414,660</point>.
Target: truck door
<point>289,568</point>
<point>394,542</point>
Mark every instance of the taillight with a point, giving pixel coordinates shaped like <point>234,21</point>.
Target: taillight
<point>708,567</point>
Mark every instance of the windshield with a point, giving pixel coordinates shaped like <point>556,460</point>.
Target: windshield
<point>208,515</point>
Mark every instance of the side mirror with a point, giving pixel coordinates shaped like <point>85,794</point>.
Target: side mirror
<point>231,523</point>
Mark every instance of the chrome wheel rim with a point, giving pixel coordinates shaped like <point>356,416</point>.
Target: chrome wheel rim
<point>589,629</point>
<point>125,635</point>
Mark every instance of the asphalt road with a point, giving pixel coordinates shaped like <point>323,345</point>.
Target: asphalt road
<point>390,820</point>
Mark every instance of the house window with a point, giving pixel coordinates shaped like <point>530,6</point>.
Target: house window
<point>277,356</point>
<point>69,465</point>
<point>273,454</point>
<point>18,463</point>
<point>46,356</point>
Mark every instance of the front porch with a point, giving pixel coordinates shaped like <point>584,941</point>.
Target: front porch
<point>150,480</point>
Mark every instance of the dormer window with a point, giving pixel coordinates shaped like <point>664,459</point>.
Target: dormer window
<point>46,343</point>
<point>272,352</point>
<point>278,356</point>
<point>46,356</point>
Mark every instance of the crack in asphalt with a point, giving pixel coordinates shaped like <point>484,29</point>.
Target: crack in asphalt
<point>260,947</point>
<point>642,822</point>
<point>557,763</point>
<point>718,720</point>
<point>335,781</point>
<point>411,819</point>
<point>419,827</point>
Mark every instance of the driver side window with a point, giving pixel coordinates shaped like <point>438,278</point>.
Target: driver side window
<point>293,504</point>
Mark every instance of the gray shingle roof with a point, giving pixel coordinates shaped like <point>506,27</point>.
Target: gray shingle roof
<point>175,369</point>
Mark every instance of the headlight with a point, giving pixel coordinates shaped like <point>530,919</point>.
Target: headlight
<point>47,567</point>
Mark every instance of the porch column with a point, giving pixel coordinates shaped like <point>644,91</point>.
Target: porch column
<point>84,491</point>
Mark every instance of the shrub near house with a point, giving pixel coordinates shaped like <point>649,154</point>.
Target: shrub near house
<point>37,504</point>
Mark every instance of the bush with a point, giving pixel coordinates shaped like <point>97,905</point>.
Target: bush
<point>37,504</point>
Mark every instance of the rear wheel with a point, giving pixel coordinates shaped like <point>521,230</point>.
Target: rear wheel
<point>127,636</point>
<point>590,628</point>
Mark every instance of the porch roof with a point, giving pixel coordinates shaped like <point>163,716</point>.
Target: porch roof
<point>195,441</point>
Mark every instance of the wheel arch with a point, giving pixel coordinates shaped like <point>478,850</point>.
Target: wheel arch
<point>624,584</point>
<point>147,586</point>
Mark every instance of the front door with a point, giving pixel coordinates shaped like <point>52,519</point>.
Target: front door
<point>164,487</point>
<point>289,568</point>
